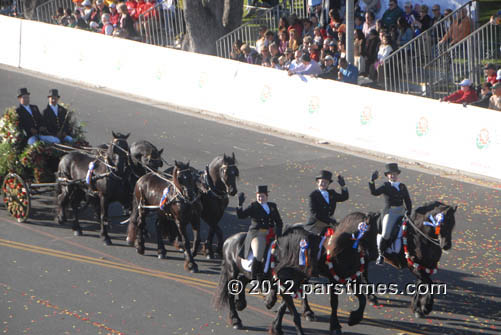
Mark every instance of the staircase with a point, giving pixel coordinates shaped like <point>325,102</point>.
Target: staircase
<point>406,70</point>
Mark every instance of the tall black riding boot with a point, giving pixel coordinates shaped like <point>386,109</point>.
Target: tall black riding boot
<point>257,270</point>
<point>383,245</point>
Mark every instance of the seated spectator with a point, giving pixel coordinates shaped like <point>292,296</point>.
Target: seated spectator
<point>293,40</point>
<point>410,14</point>
<point>296,62</point>
<point>250,55</point>
<point>283,24</point>
<point>372,6</point>
<point>307,67</point>
<point>114,15</point>
<point>270,37</point>
<point>307,41</point>
<point>348,73</point>
<point>139,9</point>
<point>88,10</point>
<point>490,73</point>
<point>289,57</point>
<point>283,41</point>
<point>405,33</point>
<point>317,36</point>
<point>359,22</point>
<point>131,7</point>
<point>314,52</point>
<point>307,28</point>
<point>65,20</point>
<point>126,27</point>
<point>58,16</point>
<point>358,50</point>
<point>275,63</point>
<point>236,53</point>
<point>495,101</point>
<point>329,70</point>
<point>335,25</point>
<point>273,49</point>
<point>371,49</point>
<point>282,62</point>
<point>263,57</point>
<point>342,49</point>
<point>79,21</point>
<point>437,15</point>
<point>107,27</point>
<point>369,24</point>
<point>295,24</point>
<point>486,94</point>
<point>465,94</point>
<point>459,29</point>
<point>392,14</point>
<point>379,26</point>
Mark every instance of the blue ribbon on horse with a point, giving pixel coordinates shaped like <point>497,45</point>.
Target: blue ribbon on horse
<point>164,197</point>
<point>303,253</point>
<point>88,178</point>
<point>362,229</point>
<point>435,222</point>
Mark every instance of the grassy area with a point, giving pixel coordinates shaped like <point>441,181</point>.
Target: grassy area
<point>488,8</point>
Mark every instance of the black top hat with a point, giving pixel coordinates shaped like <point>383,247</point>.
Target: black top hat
<point>53,93</point>
<point>324,174</point>
<point>22,91</point>
<point>391,167</point>
<point>262,189</point>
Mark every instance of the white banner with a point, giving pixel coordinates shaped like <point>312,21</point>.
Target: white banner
<point>10,40</point>
<point>414,128</point>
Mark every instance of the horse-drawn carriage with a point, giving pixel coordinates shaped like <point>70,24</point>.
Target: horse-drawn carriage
<point>25,170</point>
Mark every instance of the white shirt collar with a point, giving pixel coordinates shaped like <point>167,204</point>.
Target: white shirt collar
<point>28,108</point>
<point>54,108</point>
<point>395,184</point>
<point>266,207</point>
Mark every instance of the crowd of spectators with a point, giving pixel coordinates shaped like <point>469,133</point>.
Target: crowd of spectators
<point>302,46</point>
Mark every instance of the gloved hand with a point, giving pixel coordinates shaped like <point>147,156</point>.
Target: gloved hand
<point>241,198</point>
<point>375,175</point>
<point>340,180</point>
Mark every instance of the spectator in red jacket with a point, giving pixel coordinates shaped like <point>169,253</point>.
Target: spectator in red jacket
<point>490,73</point>
<point>132,7</point>
<point>114,15</point>
<point>465,94</point>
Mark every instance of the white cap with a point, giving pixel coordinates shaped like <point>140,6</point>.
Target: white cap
<point>86,3</point>
<point>499,75</point>
<point>329,57</point>
<point>466,82</point>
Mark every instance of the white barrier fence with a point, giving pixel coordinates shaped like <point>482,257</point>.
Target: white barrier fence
<point>419,129</point>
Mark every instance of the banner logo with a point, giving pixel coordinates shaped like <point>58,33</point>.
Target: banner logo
<point>265,93</point>
<point>422,127</point>
<point>314,105</point>
<point>366,115</point>
<point>483,139</point>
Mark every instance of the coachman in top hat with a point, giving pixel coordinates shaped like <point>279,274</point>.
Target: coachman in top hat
<point>56,118</point>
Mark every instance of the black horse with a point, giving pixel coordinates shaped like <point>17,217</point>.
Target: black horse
<point>145,154</point>
<point>108,183</point>
<point>288,271</point>
<point>220,177</point>
<point>340,261</point>
<point>176,199</point>
<point>427,233</point>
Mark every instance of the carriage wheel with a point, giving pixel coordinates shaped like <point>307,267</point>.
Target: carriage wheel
<point>16,197</point>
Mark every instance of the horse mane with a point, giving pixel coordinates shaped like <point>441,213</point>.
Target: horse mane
<point>430,208</point>
<point>175,180</point>
<point>348,226</point>
<point>288,249</point>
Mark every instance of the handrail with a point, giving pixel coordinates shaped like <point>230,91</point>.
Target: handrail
<point>404,69</point>
<point>248,32</point>
<point>162,26</point>
<point>465,59</point>
<point>46,11</point>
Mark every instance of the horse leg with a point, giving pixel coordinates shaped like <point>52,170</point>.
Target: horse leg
<point>365,280</point>
<point>132,226</point>
<point>77,230</point>
<point>220,240</point>
<point>416,303</point>
<point>335,327</point>
<point>141,222</point>
<point>195,226</point>
<point>62,198</point>
<point>161,251</point>
<point>103,202</point>
<point>233,315</point>
<point>276,325</point>
<point>426,299</point>
<point>189,263</point>
<point>292,308</point>
<point>240,301</point>
<point>356,316</point>
<point>208,244</point>
<point>307,312</point>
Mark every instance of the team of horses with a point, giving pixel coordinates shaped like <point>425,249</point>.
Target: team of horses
<point>181,195</point>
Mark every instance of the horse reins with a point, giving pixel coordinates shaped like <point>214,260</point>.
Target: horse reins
<point>434,241</point>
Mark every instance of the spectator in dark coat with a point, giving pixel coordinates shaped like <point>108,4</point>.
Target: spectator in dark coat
<point>486,94</point>
<point>371,49</point>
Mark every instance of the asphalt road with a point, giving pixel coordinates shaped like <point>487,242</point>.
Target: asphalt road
<point>55,283</point>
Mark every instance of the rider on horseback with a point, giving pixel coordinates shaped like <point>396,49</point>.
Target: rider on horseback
<point>323,203</point>
<point>266,224</point>
<point>395,194</point>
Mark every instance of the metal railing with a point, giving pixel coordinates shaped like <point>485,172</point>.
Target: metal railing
<point>298,7</point>
<point>46,12</point>
<point>162,26</point>
<point>465,59</point>
<point>248,32</point>
<point>404,70</point>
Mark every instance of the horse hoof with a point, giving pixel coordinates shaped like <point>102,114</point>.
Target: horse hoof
<point>336,332</point>
<point>161,256</point>
<point>77,233</point>
<point>275,331</point>
<point>271,300</point>
<point>107,242</point>
<point>140,251</point>
<point>418,315</point>
<point>194,269</point>
<point>210,256</point>
<point>238,325</point>
<point>310,317</point>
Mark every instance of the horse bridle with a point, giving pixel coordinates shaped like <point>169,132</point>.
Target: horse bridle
<point>435,241</point>
<point>225,166</point>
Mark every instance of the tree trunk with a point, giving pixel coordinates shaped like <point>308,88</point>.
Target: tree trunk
<point>208,20</point>
<point>29,7</point>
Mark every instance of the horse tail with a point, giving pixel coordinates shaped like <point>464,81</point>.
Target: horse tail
<point>221,296</point>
